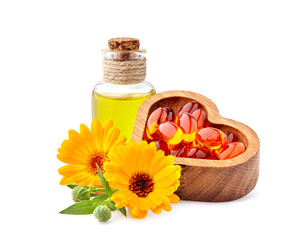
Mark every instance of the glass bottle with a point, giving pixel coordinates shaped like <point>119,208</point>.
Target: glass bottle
<point>123,87</point>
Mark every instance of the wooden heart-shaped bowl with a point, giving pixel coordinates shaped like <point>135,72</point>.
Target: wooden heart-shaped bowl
<point>203,179</point>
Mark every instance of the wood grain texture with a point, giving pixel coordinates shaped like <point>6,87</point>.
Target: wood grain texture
<point>202,179</point>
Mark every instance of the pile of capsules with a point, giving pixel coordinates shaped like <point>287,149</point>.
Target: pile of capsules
<point>187,134</point>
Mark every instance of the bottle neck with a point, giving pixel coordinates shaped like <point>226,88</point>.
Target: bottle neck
<point>124,67</point>
<point>124,72</point>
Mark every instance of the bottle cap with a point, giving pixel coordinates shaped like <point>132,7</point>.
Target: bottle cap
<point>124,44</point>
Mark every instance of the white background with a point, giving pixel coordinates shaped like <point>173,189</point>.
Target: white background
<point>246,56</point>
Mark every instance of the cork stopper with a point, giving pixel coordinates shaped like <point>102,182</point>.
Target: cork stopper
<point>124,44</point>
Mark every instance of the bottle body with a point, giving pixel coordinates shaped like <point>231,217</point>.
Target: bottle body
<point>120,103</point>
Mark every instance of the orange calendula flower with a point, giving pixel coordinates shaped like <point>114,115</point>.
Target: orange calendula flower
<point>82,151</point>
<point>145,177</point>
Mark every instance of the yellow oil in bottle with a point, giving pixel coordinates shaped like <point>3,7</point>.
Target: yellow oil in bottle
<point>122,110</point>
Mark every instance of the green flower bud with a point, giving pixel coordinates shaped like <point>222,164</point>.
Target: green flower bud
<point>102,213</point>
<point>80,193</point>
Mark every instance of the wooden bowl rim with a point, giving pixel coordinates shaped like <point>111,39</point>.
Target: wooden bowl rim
<point>252,146</point>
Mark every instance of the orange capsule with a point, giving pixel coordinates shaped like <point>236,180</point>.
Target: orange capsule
<point>160,115</point>
<point>195,143</point>
<point>200,116</point>
<point>180,150</point>
<point>214,153</point>
<point>189,107</point>
<point>170,114</point>
<point>211,138</point>
<point>231,150</point>
<point>189,126</point>
<point>231,137</point>
<point>198,153</point>
<point>161,145</point>
<point>170,133</point>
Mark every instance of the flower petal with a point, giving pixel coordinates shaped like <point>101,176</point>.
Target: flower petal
<point>87,181</point>
<point>144,204</point>
<point>165,191</point>
<point>87,136</point>
<point>96,181</point>
<point>118,185</point>
<point>166,207</point>
<point>66,180</point>
<point>173,198</point>
<point>157,210</point>
<point>77,141</point>
<point>70,159</point>
<point>96,130</point>
<point>160,161</point>
<point>155,198</point>
<point>115,170</point>
<point>168,181</point>
<point>80,177</point>
<point>69,170</point>
<point>165,172</point>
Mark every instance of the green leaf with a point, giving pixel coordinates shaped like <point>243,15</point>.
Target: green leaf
<point>123,211</point>
<point>101,197</point>
<point>108,191</point>
<point>102,179</point>
<point>96,204</point>
<point>72,186</point>
<point>104,183</point>
<point>111,205</point>
<point>84,207</point>
<point>94,195</point>
<point>97,189</point>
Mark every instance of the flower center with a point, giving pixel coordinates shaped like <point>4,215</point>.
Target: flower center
<point>141,184</point>
<point>96,158</point>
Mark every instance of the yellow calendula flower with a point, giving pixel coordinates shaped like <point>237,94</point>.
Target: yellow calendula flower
<point>145,177</point>
<point>82,151</point>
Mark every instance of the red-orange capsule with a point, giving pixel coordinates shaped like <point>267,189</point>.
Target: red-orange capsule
<point>211,138</point>
<point>161,145</point>
<point>170,114</point>
<point>189,107</point>
<point>198,153</point>
<point>214,153</point>
<point>160,115</point>
<point>189,126</point>
<point>180,150</point>
<point>231,137</point>
<point>200,116</point>
<point>231,150</point>
<point>170,133</point>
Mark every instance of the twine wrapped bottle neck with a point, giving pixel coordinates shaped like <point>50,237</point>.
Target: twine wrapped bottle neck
<point>124,72</point>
